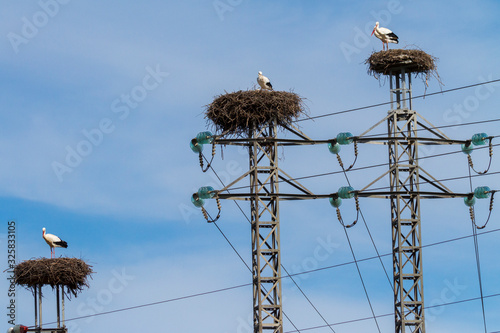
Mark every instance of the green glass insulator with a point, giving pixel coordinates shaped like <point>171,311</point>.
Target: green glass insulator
<point>346,192</point>
<point>335,202</point>
<point>479,139</point>
<point>206,192</point>
<point>344,138</point>
<point>482,192</point>
<point>195,146</point>
<point>469,202</point>
<point>467,149</point>
<point>334,148</point>
<point>198,202</point>
<point>204,137</point>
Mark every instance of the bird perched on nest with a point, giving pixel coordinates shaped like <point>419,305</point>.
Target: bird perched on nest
<point>385,35</point>
<point>53,242</point>
<point>264,82</point>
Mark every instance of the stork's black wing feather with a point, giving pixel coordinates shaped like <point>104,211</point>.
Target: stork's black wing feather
<point>61,244</point>
<point>393,36</point>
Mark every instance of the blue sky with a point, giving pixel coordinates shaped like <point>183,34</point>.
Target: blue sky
<point>125,84</point>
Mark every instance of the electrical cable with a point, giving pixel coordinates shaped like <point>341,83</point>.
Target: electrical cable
<point>389,254</point>
<point>361,278</point>
<point>391,314</point>
<point>295,274</point>
<point>442,180</point>
<point>376,250</point>
<point>354,257</point>
<point>371,166</point>
<point>476,250</point>
<point>352,250</point>
<point>291,278</point>
<point>371,238</point>
<point>478,263</point>
<point>247,285</point>
<point>156,303</point>
<point>443,126</point>
<point>388,187</point>
<point>282,266</point>
<point>234,249</point>
<point>387,103</point>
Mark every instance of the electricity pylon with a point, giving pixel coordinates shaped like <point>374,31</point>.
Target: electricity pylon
<point>407,129</point>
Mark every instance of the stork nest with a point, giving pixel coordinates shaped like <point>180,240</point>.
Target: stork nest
<point>233,114</point>
<point>414,61</point>
<point>71,273</point>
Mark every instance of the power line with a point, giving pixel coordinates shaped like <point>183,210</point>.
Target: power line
<point>445,179</point>
<point>354,257</point>
<point>370,234</point>
<point>156,303</point>
<point>391,314</point>
<point>476,250</point>
<point>448,126</point>
<point>403,99</point>
<point>371,166</point>
<point>362,281</point>
<point>295,274</point>
<point>478,264</point>
<point>386,187</point>
<point>300,289</point>
<point>389,254</point>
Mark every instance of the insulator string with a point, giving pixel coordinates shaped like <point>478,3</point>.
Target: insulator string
<point>355,156</point>
<point>469,158</point>
<point>201,157</point>
<point>206,215</point>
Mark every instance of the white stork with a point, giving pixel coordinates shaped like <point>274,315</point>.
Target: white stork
<point>264,82</point>
<point>385,35</point>
<point>53,242</point>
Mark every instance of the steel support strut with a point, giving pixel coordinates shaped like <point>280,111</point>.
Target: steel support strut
<point>405,211</point>
<point>266,258</point>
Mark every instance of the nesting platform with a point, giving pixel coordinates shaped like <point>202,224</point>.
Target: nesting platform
<point>71,273</point>
<point>234,114</point>
<point>414,61</point>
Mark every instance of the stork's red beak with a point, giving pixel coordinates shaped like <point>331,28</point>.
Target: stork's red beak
<point>373,32</point>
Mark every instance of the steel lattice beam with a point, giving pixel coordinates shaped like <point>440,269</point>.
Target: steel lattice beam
<point>266,257</point>
<point>405,211</point>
